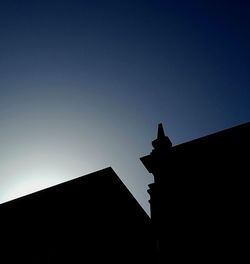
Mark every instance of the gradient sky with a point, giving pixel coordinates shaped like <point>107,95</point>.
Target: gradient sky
<point>84,83</point>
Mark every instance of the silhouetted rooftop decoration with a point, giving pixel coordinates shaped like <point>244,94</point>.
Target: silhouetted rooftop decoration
<point>162,142</point>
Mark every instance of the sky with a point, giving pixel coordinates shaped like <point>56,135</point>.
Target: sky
<point>84,84</point>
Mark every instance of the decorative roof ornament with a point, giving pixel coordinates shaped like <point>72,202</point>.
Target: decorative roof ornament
<point>162,141</point>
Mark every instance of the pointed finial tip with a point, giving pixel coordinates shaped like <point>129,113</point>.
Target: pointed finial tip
<point>161,132</point>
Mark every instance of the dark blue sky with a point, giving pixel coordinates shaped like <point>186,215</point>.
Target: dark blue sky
<point>83,84</point>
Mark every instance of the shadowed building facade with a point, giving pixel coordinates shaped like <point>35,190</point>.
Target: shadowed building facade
<point>91,219</point>
<point>199,210</point>
<point>200,197</point>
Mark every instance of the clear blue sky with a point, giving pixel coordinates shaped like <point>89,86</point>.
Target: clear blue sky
<point>83,84</point>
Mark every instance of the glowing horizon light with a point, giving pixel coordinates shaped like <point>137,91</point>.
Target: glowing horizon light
<point>30,185</point>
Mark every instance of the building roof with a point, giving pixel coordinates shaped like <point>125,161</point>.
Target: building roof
<point>231,141</point>
<point>78,220</point>
<point>239,135</point>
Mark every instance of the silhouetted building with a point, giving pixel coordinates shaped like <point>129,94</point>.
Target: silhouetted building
<point>200,197</point>
<point>91,219</point>
<point>199,210</point>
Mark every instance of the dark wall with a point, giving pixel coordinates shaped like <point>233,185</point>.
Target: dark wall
<point>87,220</point>
<point>200,198</point>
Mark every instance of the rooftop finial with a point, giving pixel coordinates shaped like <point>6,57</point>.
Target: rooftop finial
<point>160,133</point>
<point>162,141</point>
